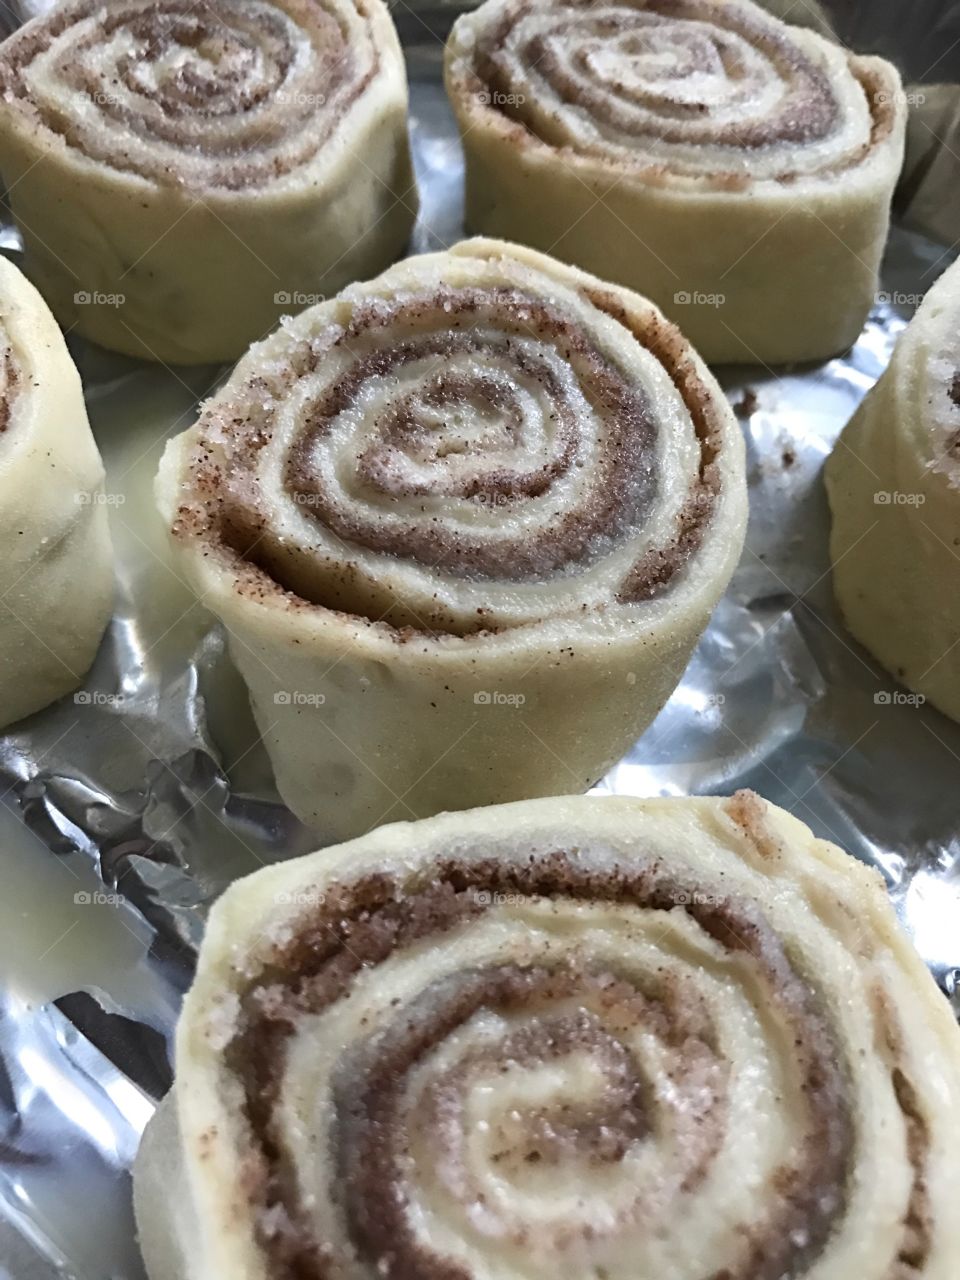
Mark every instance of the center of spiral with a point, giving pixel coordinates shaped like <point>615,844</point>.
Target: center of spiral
<point>696,87</point>
<point>480,397</point>
<point>212,96</point>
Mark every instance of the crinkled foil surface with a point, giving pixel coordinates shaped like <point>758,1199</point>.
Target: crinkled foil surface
<point>127,809</point>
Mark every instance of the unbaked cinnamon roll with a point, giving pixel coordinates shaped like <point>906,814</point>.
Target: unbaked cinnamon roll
<point>568,1038</point>
<point>56,565</point>
<point>464,525</point>
<point>736,170</point>
<point>184,174</point>
<point>893,481</point>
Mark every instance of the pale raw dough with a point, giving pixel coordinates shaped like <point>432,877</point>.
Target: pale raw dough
<point>56,568</point>
<point>736,170</point>
<point>504,1042</point>
<point>894,486</point>
<point>252,159</point>
<point>464,526</point>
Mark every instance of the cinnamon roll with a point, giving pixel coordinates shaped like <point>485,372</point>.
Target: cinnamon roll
<point>184,174</point>
<point>570,1038</point>
<point>893,481</point>
<point>56,567</point>
<point>736,170</point>
<point>464,525</point>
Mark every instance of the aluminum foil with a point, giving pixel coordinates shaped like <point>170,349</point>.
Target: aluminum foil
<point>126,810</point>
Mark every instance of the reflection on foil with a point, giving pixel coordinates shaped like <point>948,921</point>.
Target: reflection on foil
<point>128,809</point>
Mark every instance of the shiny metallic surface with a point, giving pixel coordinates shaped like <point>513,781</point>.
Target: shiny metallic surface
<point>127,809</point>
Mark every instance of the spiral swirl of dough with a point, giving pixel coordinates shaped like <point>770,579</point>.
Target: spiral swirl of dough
<point>574,1038</point>
<point>476,441</point>
<point>734,169</point>
<point>716,93</point>
<point>184,174</point>
<point>211,96</point>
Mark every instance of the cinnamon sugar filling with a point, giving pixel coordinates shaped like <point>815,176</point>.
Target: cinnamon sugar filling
<point>244,106</point>
<point>9,386</point>
<point>378,1110</point>
<point>807,115</point>
<point>617,501</point>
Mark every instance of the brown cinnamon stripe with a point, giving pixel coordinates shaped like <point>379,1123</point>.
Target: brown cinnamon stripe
<point>371,1083</point>
<point>918,1219</point>
<point>274,122</point>
<point>362,924</point>
<point>807,113</point>
<point>653,574</point>
<point>9,385</point>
